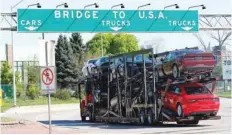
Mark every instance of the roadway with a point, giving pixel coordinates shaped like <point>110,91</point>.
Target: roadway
<point>67,118</point>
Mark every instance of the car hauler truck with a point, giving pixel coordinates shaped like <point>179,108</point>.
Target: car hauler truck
<point>124,89</point>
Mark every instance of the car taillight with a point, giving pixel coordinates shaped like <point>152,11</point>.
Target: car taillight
<point>192,101</point>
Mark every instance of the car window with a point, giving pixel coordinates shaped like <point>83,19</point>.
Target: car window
<point>97,62</point>
<point>92,61</point>
<point>174,89</point>
<point>169,57</point>
<point>104,59</point>
<point>177,90</point>
<point>196,90</point>
<point>183,52</point>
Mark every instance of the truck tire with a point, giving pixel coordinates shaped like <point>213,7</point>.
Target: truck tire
<point>194,122</point>
<point>142,117</point>
<point>83,118</point>
<point>149,117</point>
<point>92,115</point>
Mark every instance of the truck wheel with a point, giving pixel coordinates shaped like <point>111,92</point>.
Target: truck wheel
<point>142,117</point>
<point>92,115</point>
<point>180,123</point>
<point>194,122</point>
<point>175,71</point>
<point>179,110</point>
<point>150,117</point>
<point>83,118</point>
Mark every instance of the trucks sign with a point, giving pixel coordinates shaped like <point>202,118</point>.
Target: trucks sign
<point>72,20</point>
<point>226,65</point>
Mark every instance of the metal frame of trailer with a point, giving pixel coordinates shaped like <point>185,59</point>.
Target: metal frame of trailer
<point>124,85</point>
<point>145,112</point>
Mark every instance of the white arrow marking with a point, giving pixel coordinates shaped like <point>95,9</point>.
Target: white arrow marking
<point>186,28</point>
<point>31,28</point>
<point>115,28</point>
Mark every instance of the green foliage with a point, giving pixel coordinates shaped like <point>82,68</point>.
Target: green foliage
<point>62,59</point>
<point>19,88</point>
<point>70,56</point>
<point>32,91</point>
<point>218,70</point>
<point>94,45</point>
<point>6,74</point>
<point>123,43</point>
<point>33,74</point>
<point>62,95</point>
<point>112,44</point>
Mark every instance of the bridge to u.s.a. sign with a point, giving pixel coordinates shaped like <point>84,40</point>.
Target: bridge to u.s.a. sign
<point>68,20</point>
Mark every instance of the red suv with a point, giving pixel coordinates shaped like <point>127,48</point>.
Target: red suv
<point>191,99</point>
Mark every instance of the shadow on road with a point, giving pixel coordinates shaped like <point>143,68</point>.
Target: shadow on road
<point>78,124</point>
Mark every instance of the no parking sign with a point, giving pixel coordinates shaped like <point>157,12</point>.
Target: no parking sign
<point>48,79</point>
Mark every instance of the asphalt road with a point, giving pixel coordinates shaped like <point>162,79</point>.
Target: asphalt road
<point>68,119</point>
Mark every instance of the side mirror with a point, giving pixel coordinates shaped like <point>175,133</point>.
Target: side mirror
<point>162,59</point>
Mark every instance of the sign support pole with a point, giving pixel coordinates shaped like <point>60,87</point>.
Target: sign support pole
<point>49,95</point>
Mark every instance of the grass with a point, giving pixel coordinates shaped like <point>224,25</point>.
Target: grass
<point>226,94</point>
<point>38,101</point>
<point>6,120</point>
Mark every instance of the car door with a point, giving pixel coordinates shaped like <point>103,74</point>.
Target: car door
<point>169,98</point>
<point>167,64</point>
<point>176,96</point>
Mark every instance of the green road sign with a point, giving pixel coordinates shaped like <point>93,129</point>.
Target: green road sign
<point>68,20</point>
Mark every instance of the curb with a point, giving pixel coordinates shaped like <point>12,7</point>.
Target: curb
<point>11,123</point>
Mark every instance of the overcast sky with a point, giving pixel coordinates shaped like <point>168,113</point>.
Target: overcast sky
<point>26,45</point>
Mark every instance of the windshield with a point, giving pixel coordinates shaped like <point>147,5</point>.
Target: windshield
<point>92,61</point>
<point>183,52</point>
<point>196,90</point>
<point>137,58</point>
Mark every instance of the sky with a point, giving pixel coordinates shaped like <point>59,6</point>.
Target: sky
<point>26,44</point>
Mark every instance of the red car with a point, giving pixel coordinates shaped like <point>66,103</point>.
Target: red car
<point>185,62</point>
<point>191,99</point>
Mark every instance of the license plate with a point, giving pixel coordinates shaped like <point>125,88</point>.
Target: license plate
<point>198,58</point>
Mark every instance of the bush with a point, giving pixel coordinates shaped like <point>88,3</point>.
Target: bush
<point>32,91</point>
<point>62,95</point>
<point>19,90</point>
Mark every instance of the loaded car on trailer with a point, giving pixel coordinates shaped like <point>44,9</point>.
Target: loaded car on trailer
<point>191,99</point>
<point>183,62</point>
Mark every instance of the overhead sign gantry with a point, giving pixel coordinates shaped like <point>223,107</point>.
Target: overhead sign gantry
<point>69,20</point>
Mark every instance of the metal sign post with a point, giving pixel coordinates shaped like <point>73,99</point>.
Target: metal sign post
<point>48,83</point>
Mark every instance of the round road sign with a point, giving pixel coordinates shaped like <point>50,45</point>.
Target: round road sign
<point>47,76</point>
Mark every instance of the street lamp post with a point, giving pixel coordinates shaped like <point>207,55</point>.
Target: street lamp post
<point>203,6</point>
<point>12,42</point>
<point>96,6</point>
<point>65,6</point>
<point>102,52</point>
<point>173,5</point>
<point>148,4</point>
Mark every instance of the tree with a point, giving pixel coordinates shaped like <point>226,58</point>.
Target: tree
<point>66,61</point>
<point>122,43</point>
<point>95,44</point>
<point>6,74</point>
<point>61,58</point>
<point>79,51</point>
<point>78,48</point>
<point>221,37</point>
<point>202,42</point>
